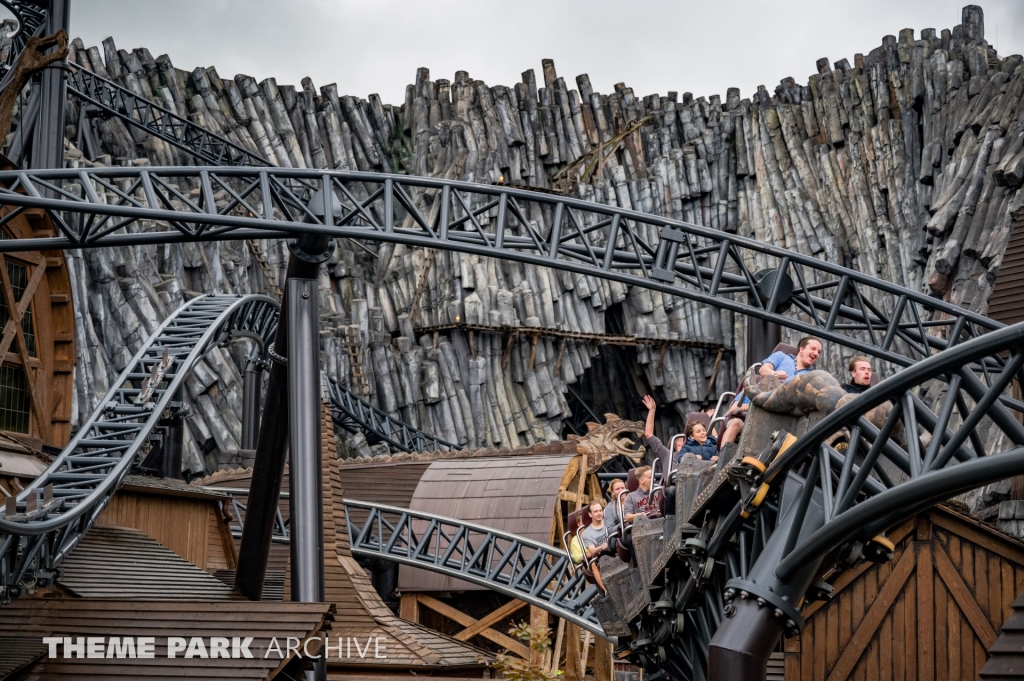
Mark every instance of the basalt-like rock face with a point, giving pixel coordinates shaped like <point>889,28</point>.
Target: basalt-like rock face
<point>906,164</point>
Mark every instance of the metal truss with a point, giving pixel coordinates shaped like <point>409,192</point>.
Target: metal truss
<point>509,564</point>
<point>280,535</point>
<point>352,414</point>
<point>102,207</point>
<point>31,18</point>
<point>115,100</point>
<point>49,518</point>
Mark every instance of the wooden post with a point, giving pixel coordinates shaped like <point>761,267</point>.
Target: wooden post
<point>573,653</point>
<point>556,649</point>
<point>604,666</point>
<point>585,653</point>
<point>538,618</point>
<point>409,608</point>
<point>925,603</point>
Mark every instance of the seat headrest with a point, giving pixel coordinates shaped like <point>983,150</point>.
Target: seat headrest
<point>875,378</point>
<point>632,484</point>
<point>698,417</point>
<point>574,521</point>
<point>578,519</point>
<point>786,348</point>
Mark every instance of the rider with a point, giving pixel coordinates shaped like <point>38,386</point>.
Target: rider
<point>595,538</point>
<point>783,366</point>
<point>611,511</point>
<point>637,503</point>
<point>860,375</point>
<point>699,443</point>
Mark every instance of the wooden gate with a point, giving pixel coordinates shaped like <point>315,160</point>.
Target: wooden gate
<point>929,614</point>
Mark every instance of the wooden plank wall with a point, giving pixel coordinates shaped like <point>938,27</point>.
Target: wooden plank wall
<point>930,614</point>
<point>189,527</point>
<point>1008,292</point>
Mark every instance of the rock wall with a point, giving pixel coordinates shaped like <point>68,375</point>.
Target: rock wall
<point>906,165</point>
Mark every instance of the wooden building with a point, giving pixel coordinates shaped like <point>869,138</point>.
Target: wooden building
<point>37,343</point>
<point>1008,291</point>
<point>930,614</point>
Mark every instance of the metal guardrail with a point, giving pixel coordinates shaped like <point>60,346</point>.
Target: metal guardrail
<point>36,534</point>
<point>509,564</point>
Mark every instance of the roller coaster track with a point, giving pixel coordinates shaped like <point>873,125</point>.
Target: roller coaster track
<point>825,511</point>
<point>509,564</point>
<point>37,533</point>
<point>135,110</point>
<point>352,413</point>
<point>691,261</point>
<point>31,18</point>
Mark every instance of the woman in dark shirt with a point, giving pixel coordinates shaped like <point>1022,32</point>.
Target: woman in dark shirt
<point>698,442</point>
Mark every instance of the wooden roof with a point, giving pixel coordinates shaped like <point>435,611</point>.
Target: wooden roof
<point>24,622</point>
<point>1007,653</point>
<point>602,442</point>
<point>515,495</point>
<point>116,562</point>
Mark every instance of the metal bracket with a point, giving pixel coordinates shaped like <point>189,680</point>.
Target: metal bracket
<point>314,258</point>
<point>276,357</point>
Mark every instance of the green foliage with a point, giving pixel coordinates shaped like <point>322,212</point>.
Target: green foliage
<point>515,669</point>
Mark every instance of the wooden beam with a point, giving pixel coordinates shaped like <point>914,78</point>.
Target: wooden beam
<point>538,620</point>
<point>566,495</point>
<point>869,625</point>
<point>16,309</point>
<point>925,608</point>
<point>490,620</point>
<point>409,608</point>
<point>1000,547</point>
<point>964,598</point>
<point>556,650</point>
<point>465,620</point>
<point>581,481</point>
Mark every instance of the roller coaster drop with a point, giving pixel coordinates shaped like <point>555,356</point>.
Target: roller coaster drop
<point>767,526</point>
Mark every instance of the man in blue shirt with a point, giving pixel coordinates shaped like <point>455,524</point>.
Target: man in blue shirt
<point>787,366</point>
<point>783,366</point>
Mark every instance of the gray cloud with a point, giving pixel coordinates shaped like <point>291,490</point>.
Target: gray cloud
<point>368,46</point>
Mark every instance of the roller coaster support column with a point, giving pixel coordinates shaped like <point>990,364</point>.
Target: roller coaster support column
<point>48,138</point>
<point>174,442</point>
<point>252,381</point>
<point>307,518</point>
<point>761,608</point>
<point>268,469</point>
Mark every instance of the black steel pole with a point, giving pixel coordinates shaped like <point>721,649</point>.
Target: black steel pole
<point>305,474</point>
<point>252,380</point>
<point>48,134</point>
<point>268,468</point>
<point>174,441</point>
<point>761,607</point>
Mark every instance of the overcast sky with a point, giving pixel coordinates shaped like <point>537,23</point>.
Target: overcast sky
<point>375,46</point>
